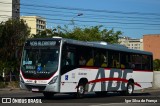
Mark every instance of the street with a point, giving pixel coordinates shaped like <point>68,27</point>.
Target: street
<point>139,98</point>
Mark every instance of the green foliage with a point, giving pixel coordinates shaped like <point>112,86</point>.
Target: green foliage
<point>94,33</point>
<point>48,33</point>
<point>2,85</point>
<point>156,65</point>
<point>13,33</point>
<point>13,84</point>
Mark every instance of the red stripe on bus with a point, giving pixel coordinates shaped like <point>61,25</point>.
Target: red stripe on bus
<point>112,79</point>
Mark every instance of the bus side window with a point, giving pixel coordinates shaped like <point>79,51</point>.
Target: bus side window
<point>97,59</point>
<point>68,61</point>
<point>145,62</point>
<point>82,61</point>
<point>103,60</point>
<point>90,62</point>
<point>100,58</point>
<point>90,59</point>
<point>115,59</point>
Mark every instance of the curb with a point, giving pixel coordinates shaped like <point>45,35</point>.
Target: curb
<point>147,90</point>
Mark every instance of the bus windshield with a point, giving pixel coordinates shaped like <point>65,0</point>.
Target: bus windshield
<point>40,61</point>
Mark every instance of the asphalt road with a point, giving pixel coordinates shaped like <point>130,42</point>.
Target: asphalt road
<point>146,98</point>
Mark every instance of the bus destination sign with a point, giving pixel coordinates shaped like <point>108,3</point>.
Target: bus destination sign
<point>42,43</point>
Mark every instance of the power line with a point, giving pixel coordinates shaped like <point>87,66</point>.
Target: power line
<point>89,14</point>
<point>102,18</point>
<point>114,18</point>
<point>98,16</point>
<point>95,21</point>
<point>52,21</point>
<point>81,9</point>
<point>91,10</point>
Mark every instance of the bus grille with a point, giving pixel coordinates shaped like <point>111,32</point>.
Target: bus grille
<point>41,88</point>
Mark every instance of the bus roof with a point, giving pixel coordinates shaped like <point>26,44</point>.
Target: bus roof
<point>103,45</point>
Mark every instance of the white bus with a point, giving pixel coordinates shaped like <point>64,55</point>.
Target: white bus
<point>58,65</point>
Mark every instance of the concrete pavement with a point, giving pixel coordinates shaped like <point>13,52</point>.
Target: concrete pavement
<point>8,90</point>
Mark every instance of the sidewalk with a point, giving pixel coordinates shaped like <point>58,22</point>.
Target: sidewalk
<point>9,89</point>
<point>147,90</point>
<point>151,90</point>
<point>12,90</point>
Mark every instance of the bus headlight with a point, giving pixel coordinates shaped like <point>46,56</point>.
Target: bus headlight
<point>54,79</point>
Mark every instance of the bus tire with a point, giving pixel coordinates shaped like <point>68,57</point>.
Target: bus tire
<point>48,94</point>
<point>80,90</point>
<point>130,88</point>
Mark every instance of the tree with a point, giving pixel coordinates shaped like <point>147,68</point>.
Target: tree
<point>94,33</point>
<point>13,34</point>
<point>47,33</point>
<point>156,65</point>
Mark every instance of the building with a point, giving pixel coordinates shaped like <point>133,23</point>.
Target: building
<point>152,44</point>
<point>9,9</point>
<point>131,43</point>
<point>36,23</point>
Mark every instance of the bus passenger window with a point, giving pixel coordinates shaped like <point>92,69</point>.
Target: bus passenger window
<point>103,60</point>
<point>90,62</point>
<point>82,61</point>
<point>90,59</point>
<point>97,60</point>
<point>145,62</point>
<point>115,59</point>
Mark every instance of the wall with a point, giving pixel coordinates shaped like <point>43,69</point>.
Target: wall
<point>6,10</point>
<point>151,43</point>
<point>156,79</point>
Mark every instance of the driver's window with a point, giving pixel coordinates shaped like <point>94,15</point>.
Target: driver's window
<point>68,58</point>
<point>67,62</point>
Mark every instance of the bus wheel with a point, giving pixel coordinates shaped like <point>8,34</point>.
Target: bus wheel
<point>130,88</point>
<point>48,94</point>
<point>80,90</point>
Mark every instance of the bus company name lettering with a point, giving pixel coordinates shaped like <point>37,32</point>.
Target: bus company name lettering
<point>82,73</point>
<point>121,79</point>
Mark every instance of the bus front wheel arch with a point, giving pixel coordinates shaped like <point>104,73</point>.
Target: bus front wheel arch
<point>129,88</point>
<point>81,88</point>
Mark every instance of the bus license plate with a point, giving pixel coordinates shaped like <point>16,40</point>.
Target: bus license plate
<point>35,89</point>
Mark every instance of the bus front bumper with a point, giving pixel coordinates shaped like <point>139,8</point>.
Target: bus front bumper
<point>40,87</point>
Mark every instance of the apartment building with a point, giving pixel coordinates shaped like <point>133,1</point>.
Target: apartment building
<point>9,9</point>
<point>152,44</point>
<point>36,23</point>
<point>131,43</point>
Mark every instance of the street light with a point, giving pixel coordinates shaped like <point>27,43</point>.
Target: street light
<point>79,14</point>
